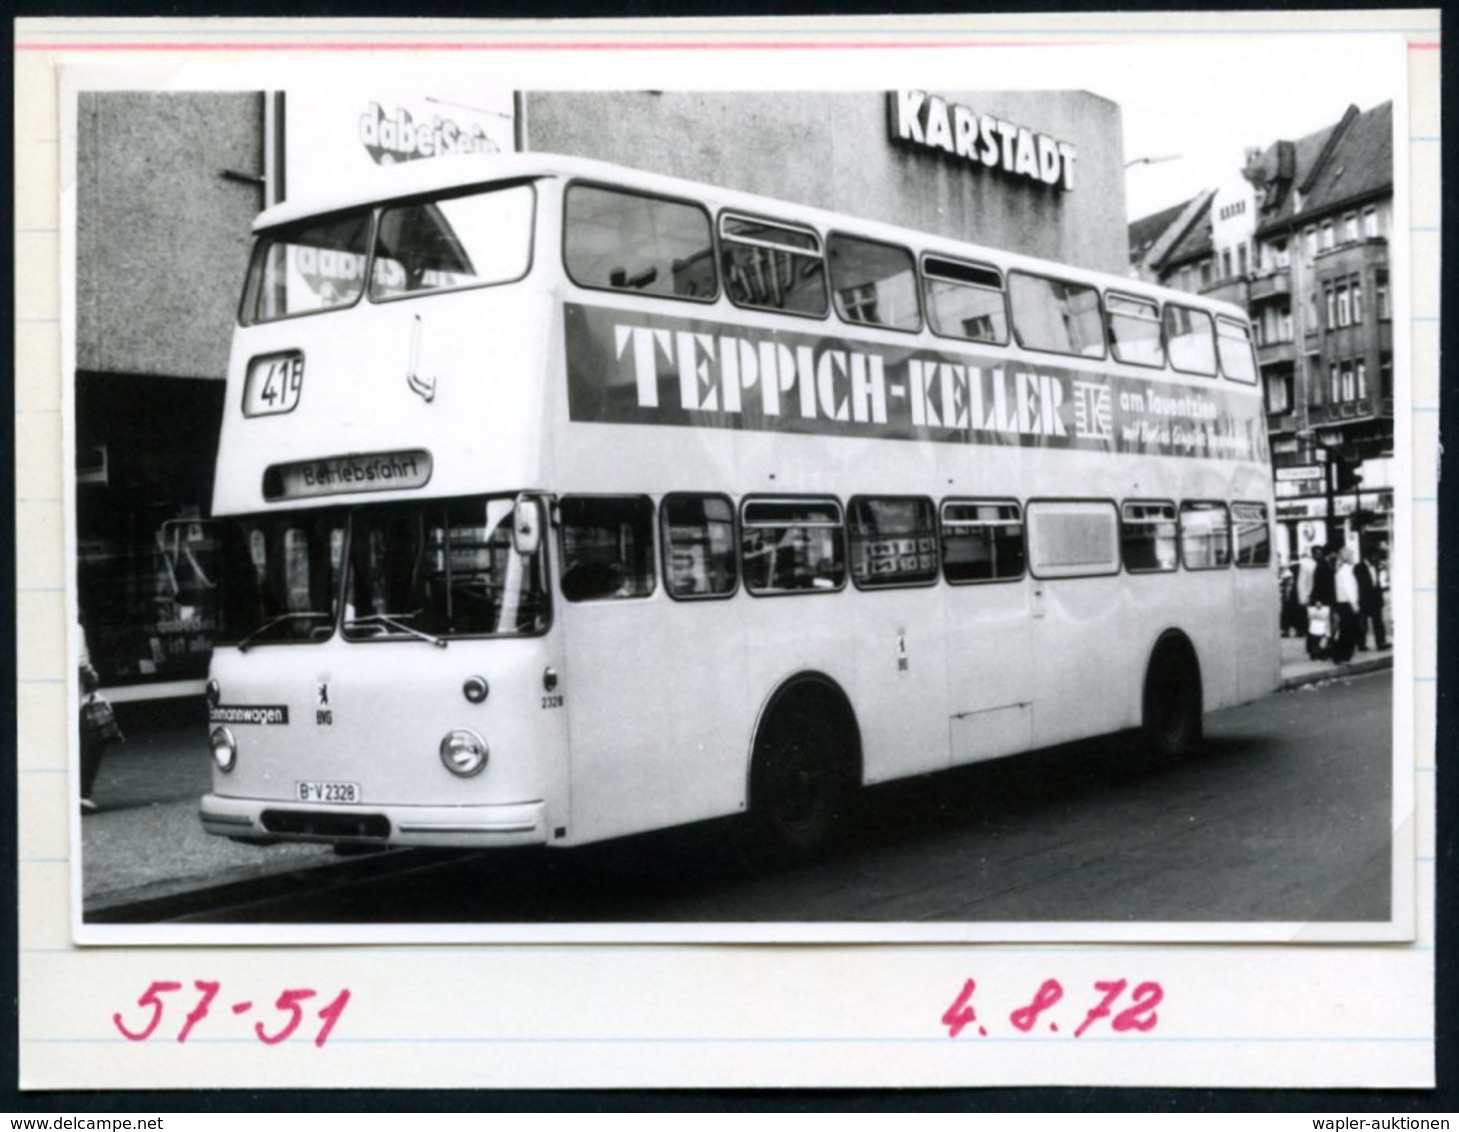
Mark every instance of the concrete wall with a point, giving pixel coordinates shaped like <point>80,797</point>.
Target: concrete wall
<point>162,236</point>
<point>835,150</point>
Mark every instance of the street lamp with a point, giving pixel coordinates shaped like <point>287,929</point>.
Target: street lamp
<point>1153,160</point>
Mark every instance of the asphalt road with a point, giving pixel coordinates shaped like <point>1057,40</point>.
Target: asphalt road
<point>1285,817</point>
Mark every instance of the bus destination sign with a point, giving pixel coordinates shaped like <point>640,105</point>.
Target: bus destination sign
<point>344,475</point>
<point>629,367</point>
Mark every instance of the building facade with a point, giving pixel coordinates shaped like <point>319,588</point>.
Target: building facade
<point>168,186</point>
<point>1300,240</point>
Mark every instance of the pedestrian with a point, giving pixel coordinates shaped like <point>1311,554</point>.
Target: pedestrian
<point>1306,570</point>
<point>98,726</point>
<point>1321,599</point>
<point>1346,620</point>
<point>1370,606</point>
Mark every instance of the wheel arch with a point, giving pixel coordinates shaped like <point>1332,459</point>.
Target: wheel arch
<point>815,684</point>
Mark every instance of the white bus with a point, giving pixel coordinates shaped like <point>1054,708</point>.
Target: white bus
<point>560,501</point>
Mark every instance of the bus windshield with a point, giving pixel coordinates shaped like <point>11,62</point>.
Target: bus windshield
<point>428,570</point>
<point>443,243</point>
<point>439,569</point>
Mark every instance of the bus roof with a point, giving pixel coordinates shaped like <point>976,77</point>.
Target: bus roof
<point>448,173</point>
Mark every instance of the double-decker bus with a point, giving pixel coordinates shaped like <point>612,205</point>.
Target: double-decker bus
<point>558,501</point>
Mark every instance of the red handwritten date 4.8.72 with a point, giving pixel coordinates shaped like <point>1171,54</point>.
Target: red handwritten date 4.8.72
<point>1139,1013</point>
<point>287,1005</point>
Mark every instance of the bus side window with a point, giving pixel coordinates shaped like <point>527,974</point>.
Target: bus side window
<point>1073,538</point>
<point>699,546</point>
<point>982,541</point>
<point>1134,330</point>
<point>964,301</point>
<point>893,542</point>
<point>1233,342</point>
<point>1056,315</point>
<point>792,546</point>
<point>772,266</point>
<point>607,547</point>
<point>1205,535</point>
<point>1190,339</point>
<point>623,241</point>
<point>1148,534</point>
<point>1253,534</point>
<point>874,284</point>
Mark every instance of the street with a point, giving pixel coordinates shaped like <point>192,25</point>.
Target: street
<point>1285,817</point>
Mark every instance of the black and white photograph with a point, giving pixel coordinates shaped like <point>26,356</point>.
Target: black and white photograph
<point>586,465</point>
<point>566,503</point>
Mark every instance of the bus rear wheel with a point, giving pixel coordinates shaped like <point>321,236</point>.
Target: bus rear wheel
<point>801,777</point>
<point>1171,719</point>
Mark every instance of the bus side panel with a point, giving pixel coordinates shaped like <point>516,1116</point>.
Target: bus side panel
<point>1085,658</point>
<point>656,704</point>
<point>900,694</point>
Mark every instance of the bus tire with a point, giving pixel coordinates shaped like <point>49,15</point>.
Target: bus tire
<point>1172,708</point>
<point>803,772</point>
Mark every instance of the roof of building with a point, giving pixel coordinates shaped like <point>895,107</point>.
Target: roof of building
<point>1145,231</point>
<point>1194,242</point>
<point>1350,159</point>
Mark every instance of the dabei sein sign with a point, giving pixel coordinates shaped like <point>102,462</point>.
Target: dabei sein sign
<point>630,367</point>
<point>929,122</point>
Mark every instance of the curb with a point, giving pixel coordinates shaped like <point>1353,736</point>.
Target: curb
<point>1336,672</point>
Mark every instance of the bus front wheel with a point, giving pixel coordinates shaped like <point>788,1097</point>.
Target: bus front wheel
<point>801,777</point>
<point>1171,719</point>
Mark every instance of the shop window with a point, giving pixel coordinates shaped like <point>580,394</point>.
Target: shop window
<point>982,541</point>
<point>1190,340</point>
<point>699,546</point>
<point>1148,534</point>
<point>607,547</point>
<point>772,266</point>
<point>965,300</point>
<point>792,546</point>
<point>874,284</point>
<point>1253,534</point>
<point>622,241</point>
<point>893,541</point>
<point>1134,330</point>
<point>1072,538</point>
<point>1205,536</point>
<point>1056,315</point>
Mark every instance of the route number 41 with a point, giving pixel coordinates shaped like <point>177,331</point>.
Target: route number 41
<point>274,383</point>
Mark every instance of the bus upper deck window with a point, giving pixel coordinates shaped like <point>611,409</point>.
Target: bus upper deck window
<point>316,265</point>
<point>459,241</point>
<point>772,266</point>
<point>622,241</point>
<point>1056,315</point>
<point>875,284</point>
<point>1134,330</point>
<point>1190,339</point>
<point>1233,342</point>
<point>965,301</point>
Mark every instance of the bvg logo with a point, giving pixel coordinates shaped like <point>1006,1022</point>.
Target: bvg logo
<point>398,137</point>
<point>323,713</point>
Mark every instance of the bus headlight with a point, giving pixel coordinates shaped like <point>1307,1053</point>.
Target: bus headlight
<point>224,748</point>
<point>464,753</point>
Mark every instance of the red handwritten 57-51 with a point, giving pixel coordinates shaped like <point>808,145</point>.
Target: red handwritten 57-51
<point>284,1016</point>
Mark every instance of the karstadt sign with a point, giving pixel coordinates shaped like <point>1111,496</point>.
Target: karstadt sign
<point>926,121</point>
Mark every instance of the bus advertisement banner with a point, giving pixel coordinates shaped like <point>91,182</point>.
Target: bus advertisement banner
<point>629,367</point>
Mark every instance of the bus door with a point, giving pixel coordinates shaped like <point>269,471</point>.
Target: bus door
<point>988,620</point>
<point>653,676</point>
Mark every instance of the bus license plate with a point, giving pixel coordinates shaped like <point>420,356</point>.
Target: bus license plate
<point>339,792</point>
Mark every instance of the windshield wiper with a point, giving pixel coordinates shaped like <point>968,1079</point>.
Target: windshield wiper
<point>279,620</point>
<point>392,622</point>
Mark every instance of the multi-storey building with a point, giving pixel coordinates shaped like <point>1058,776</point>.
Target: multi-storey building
<point>1301,241</point>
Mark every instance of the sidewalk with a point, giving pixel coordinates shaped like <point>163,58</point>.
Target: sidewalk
<point>146,843</point>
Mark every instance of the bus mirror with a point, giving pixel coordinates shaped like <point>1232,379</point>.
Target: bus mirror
<point>526,525</point>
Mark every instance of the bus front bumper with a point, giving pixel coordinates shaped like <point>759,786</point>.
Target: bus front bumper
<point>456,827</point>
